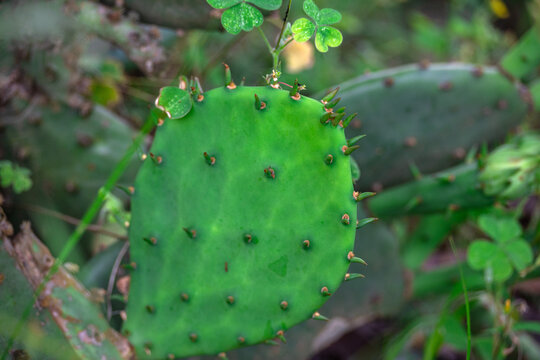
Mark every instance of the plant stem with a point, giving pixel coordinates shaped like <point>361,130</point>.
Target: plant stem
<point>74,221</point>
<point>284,25</point>
<point>466,298</point>
<point>83,225</point>
<point>266,41</point>
<point>276,50</point>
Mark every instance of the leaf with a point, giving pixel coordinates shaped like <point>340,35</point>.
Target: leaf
<point>519,252</point>
<point>327,36</point>
<point>22,181</point>
<point>500,266</point>
<point>175,102</point>
<point>311,10</point>
<point>241,17</point>
<point>530,326</point>
<point>267,4</point>
<point>303,29</point>
<point>16,176</point>
<point>500,228</point>
<point>329,17</point>
<point>7,173</point>
<point>223,4</point>
<point>480,253</point>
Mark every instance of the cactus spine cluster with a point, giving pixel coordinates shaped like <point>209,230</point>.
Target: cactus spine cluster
<point>243,221</point>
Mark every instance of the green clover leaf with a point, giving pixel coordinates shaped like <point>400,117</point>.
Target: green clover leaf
<point>303,30</point>
<point>498,259</point>
<point>311,10</point>
<point>175,102</point>
<point>519,253</point>
<point>325,35</point>
<point>329,16</point>
<point>500,228</point>
<point>242,16</point>
<point>16,176</point>
<point>484,255</point>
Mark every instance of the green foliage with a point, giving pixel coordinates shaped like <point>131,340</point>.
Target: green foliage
<point>325,35</point>
<point>524,57</point>
<point>175,102</point>
<point>15,176</point>
<point>507,252</point>
<point>240,15</point>
<point>513,170</point>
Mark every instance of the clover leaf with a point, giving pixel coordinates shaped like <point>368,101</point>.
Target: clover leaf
<point>325,35</point>
<point>509,251</point>
<point>15,176</point>
<point>242,16</point>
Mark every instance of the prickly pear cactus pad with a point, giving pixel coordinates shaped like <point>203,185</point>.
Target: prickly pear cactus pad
<point>409,114</point>
<point>243,223</point>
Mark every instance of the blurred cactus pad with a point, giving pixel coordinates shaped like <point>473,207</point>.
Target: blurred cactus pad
<point>243,222</point>
<point>410,113</point>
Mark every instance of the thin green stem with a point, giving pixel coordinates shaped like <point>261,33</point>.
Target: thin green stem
<point>83,225</point>
<point>276,50</point>
<point>466,298</point>
<point>284,25</point>
<point>282,47</point>
<point>266,40</point>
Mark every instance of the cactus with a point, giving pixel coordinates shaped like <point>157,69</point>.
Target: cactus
<point>41,339</point>
<point>177,14</point>
<point>70,305</point>
<point>511,171</point>
<point>453,189</point>
<point>380,293</point>
<point>409,113</point>
<point>242,228</point>
<point>70,158</point>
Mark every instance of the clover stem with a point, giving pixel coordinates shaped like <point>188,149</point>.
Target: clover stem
<point>266,41</point>
<point>283,26</point>
<point>276,51</point>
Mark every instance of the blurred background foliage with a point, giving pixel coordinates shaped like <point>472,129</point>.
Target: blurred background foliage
<point>78,80</point>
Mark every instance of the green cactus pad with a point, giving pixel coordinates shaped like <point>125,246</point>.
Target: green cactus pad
<point>412,114</point>
<point>457,188</point>
<point>241,227</point>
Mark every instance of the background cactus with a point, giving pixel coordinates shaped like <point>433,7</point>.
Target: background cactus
<point>409,112</point>
<point>246,151</point>
<point>180,14</point>
<point>508,173</point>
<point>87,147</point>
<point>73,308</point>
